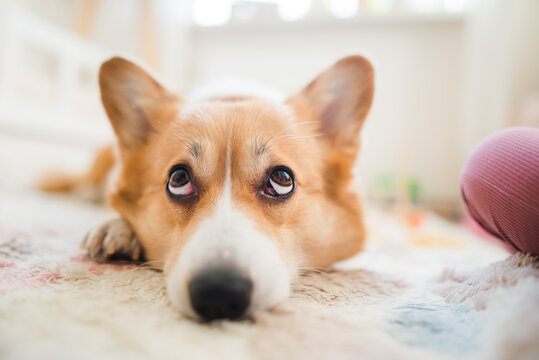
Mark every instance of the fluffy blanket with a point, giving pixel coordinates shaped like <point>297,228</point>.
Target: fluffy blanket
<point>423,289</point>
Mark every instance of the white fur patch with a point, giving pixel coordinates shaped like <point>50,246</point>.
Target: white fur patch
<point>230,237</point>
<point>235,86</point>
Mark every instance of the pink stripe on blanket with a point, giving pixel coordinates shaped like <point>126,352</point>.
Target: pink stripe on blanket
<point>13,278</point>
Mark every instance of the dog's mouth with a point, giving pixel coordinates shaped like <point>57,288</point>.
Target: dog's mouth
<point>220,293</point>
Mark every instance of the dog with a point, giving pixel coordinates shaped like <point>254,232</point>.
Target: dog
<point>232,197</point>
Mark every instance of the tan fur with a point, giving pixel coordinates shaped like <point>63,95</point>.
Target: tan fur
<point>319,224</point>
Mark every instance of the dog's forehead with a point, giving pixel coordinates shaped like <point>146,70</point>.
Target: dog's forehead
<point>238,117</point>
<point>205,133</point>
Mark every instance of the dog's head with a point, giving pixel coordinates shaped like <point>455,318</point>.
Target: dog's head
<point>235,196</point>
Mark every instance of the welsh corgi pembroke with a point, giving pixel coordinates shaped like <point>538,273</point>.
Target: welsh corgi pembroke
<point>232,196</point>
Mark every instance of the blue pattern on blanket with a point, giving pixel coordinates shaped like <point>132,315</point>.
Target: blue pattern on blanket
<point>450,328</point>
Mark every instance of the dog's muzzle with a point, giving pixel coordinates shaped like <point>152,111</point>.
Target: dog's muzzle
<point>220,293</point>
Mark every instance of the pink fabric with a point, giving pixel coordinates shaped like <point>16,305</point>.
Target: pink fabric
<point>500,187</point>
<point>13,277</point>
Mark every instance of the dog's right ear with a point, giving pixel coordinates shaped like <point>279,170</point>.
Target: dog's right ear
<point>134,101</point>
<point>340,99</point>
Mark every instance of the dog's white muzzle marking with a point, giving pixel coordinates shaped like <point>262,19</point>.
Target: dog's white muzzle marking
<point>229,238</point>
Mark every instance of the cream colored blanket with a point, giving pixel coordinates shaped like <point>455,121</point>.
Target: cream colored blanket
<point>427,290</point>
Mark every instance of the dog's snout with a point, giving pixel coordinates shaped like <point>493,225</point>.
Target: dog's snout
<point>220,294</point>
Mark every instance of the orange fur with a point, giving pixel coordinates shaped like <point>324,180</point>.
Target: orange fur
<point>315,133</point>
<point>321,223</point>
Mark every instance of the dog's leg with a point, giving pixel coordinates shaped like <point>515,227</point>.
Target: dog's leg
<point>113,239</point>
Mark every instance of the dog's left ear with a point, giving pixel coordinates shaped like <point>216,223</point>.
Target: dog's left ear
<point>135,102</point>
<point>340,98</point>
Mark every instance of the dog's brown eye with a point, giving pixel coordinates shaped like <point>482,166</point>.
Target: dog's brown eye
<point>280,183</point>
<point>179,183</point>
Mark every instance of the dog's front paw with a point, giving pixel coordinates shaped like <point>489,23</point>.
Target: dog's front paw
<point>113,239</point>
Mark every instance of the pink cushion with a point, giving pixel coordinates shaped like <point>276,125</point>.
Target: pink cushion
<point>500,187</point>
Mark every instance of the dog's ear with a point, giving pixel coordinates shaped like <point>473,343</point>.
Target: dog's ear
<point>340,98</point>
<point>133,100</point>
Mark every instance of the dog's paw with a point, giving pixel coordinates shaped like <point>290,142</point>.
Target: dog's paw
<point>113,239</point>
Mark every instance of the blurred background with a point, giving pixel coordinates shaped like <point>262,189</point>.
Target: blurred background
<point>448,73</point>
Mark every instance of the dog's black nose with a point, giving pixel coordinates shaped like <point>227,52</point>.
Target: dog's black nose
<point>220,294</point>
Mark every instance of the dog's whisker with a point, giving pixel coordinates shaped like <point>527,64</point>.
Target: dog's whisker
<point>298,137</point>
<point>290,136</point>
<point>296,124</point>
<point>158,270</point>
<point>279,134</point>
<point>154,264</point>
<point>151,263</point>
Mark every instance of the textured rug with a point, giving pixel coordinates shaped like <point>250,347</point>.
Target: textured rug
<point>423,289</point>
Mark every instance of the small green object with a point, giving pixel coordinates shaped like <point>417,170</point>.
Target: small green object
<point>414,189</point>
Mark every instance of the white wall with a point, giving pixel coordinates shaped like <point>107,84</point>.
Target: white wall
<point>525,61</point>
<point>443,82</point>
<point>413,125</point>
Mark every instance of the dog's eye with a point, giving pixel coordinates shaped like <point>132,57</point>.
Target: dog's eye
<point>179,183</point>
<point>280,183</point>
